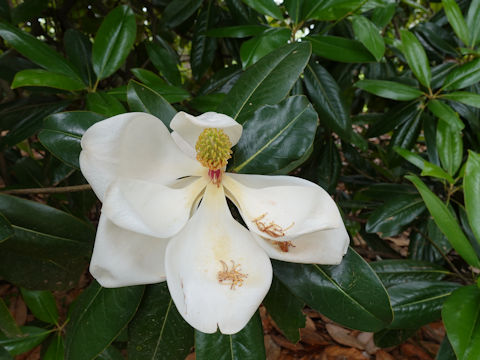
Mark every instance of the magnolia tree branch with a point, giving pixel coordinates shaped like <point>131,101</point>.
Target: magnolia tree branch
<point>48,190</point>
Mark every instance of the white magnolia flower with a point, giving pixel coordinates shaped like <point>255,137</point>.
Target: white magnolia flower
<point>165,216</point>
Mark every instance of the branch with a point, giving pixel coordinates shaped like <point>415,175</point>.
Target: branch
<point>48,190</point>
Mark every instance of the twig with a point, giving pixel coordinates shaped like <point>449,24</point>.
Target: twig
<point>48,190</point>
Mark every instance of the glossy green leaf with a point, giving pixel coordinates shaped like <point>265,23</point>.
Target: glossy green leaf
<point>31,337</point>
<point>145,99</point>
<point>463,76</point>
<point>294,9</point>
<point>4,354</point>
<point>450,147</point>
<point>207,103</point>
<point>471,188</point>
<point>338,292</point>
<point>416,57</point>
<point>382,15</point>
<point>49,249</point>
<point>104,104</point>
<point>394,118</point>
<point>265,7</point>
<point>285,309</point>
<point>405,136</point>
<point>41,304</point>
<point>38,77</point>
<point>460,314</point>
<point>446,113</point>
<point>203,47</point>
<point>456,20</point>
<point>158,331</point>
<point>389,89</point>
<point>254,49</point>
<point>395,214</point>
<point>164,60</point>
<point>340,49</point>
<point>239,31</point>
<point>55,350</point>
<point>473,15</point>
<point>275,136</point>
<point>446,222</point>
<point>368,34</point>
<point>6,230</point>
<point>416,303</point>
<point>177,11</point>
<point>445,352</point>
<point>8,326</point>
<point>464,97</point>
<point>113,41</point>
<point>266,82</point>
<point>171,93</point>
<point>37,51</point>
<point>246,344</point>
<point>394,272</point>
<point>328,100</point>
<point>62,133</point>
<point>111,353</point>
<point>392,337</point>
<point>97,318</point>
<point>79,51</point>
<point>330,10</point>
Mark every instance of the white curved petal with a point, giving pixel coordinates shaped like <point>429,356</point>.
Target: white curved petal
<point>320,247</point>
<point>283,212</point>
<point>123,258</point>
<point>194,260</point>
<point>261,181</point>
<point>188,127</point>
<point>132,145</point>
<point>149,208</point>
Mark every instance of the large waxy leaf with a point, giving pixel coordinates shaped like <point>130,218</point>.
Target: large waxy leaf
<point>239,31</point>
<point>113,41</point>
<point>390,89</point>
<point>37,51</point>
<point>104,104</point>
<point>461,316</point>
<point>394,272</point>
<point>416,303</point>
<point>266,82</point>
<point>449,146</point>
<point>8,326</point>
<point>339,49</point>
<point>98,317</point>
<point>367,33</point>
<point>416,57</point>
<point>41,304</point>
<point>463,76</point>
<point>395,117</point>
<point>446,222</point>
<point>395,214</point>
<point>203,47</point>
<point>392,337</point>
<point>328,100</point>
<point>471,187</point>
<point>79,51</point>
<point>144,99</point>
<point>464,97</point>
<point>62,133</point>
<point>254,49</point>
<point>446,113</point>
<point>246,344</point>
<point>445,352</point>
<point>455,18</point>
<point>177,11</point>
<point>473,15</point>
<point>266,7</point>
<point>171,93</point>
<point>285,309</point>
<point>31,337</point>
<point>49,248</point>
<point>55,350</point>
<point>276,136</point>
<point>338,291</point>
<point>39,77</point>
<point>165,60</point>
<point>158,331</point>
<point>6,230</point>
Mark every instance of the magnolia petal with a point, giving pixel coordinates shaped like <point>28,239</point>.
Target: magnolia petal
<point>187,127</point>
<point>149,208</point>
<point>193,264</point>
<point>320,247</point>
<point>283,212</point>
<point>132,145</point>
<point>123,258</point>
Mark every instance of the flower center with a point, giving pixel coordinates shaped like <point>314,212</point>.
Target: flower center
<point>213,151</point>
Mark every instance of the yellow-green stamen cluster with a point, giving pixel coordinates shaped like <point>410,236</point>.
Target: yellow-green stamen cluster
<point>213,148</point>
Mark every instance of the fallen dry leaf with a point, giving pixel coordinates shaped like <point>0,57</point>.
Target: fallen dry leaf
<point>414,352</point>
<point>344,336</point>
<point>335,352</point>
<point>383,355</point>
